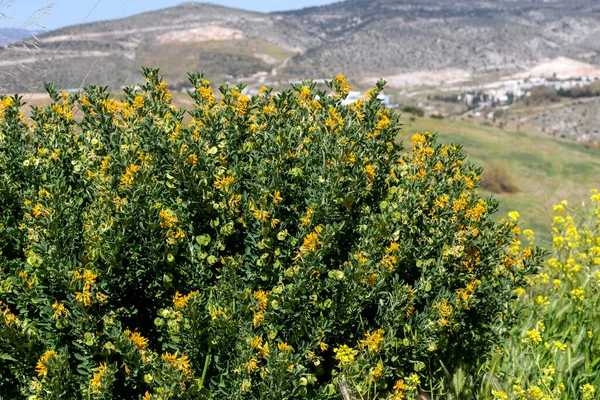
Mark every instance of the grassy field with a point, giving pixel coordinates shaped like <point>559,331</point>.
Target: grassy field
<point>546,171</point>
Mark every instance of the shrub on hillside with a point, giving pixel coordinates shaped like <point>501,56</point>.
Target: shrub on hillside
<point>270,248</point>
<point>414,110</point>
<point>542,95</point>
<point>497,178</point>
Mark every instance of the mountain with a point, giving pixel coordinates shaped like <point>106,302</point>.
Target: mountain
<point>461,39</point>
<point>11,35</point>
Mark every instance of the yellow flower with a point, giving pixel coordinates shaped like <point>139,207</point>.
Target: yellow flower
<point>342,85</point>
<point>256,342</point>
<point>345,355</point>
<point>533,336</point>
<point>514,215</point>
<point>180,301</point>
<point>500,395</point>
<point>181,363</point>
<point>541,326</point>
<point>41,367</point>
<point>372,340</point>
<point>335,121</point>
<point>556,345</point>
<point>246,385</point>
<point>276,197</point>
<point>587,391</point>
<point>59,309</point>
<point>223,183</point>
<point>139,341</point>
<point>96,381</point>
<point>377,371</point>
<point>578,294</point>
<point>417,139</point>
<point>441,201</point>
<point>37,210</point>
<point>370,171</point>
<point>138,101</point>
<point>284,347</point>
<point>305,91</point>
<point>542,300</point>
<point>399,388</point>
<point>477,211</point>
<point>168,219</point>
<point>311,241</point>
<point>251,365</point>
<point>261,297</point>
<point>128,177</point>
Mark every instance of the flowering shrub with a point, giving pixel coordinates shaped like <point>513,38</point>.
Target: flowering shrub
<point>279,246</point>
<point>555,352</point>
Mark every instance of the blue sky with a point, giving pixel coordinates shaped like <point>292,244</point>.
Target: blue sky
<point>54,14</point>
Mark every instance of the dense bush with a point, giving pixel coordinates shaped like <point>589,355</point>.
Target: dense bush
<point>542,95</point>
<point>413,110</point>
<point>272,247</point>
<point>590,90</point>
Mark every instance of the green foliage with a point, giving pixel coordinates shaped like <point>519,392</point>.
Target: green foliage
<point>273,247</point>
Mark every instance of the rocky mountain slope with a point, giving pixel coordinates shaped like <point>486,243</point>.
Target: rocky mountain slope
<point>361,38</point>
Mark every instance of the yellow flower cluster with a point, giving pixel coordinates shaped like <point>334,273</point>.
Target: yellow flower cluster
<point>180,301</point>
<point>8,317</point>
<point>140,342</point>
<point>89,280</point>
<point>96,381</point>
<point>372,340</point>
<point>169,221</point>
<point>42,365</point>
<point>345,355</point>
<point>179,362</point>
<point>128,178</point>
<point>261,298</point>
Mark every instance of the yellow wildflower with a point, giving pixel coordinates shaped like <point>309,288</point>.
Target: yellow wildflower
<point>370,171</point>
<point>41,367</point>
<point>533,336</point>
<point>500,395</point>
<point>372,340</point>
<point>223,183</point>
<point>345,355</point>
<point>284,347</point>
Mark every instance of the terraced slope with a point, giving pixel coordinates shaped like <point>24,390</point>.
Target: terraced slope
<point>360,38</point>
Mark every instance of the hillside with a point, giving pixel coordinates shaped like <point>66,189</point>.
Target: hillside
<point>361,38</point>
<point>11,35</point>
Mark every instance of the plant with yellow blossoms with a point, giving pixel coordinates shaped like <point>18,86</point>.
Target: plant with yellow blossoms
<point>550,353</point>
<point>269,246</point>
